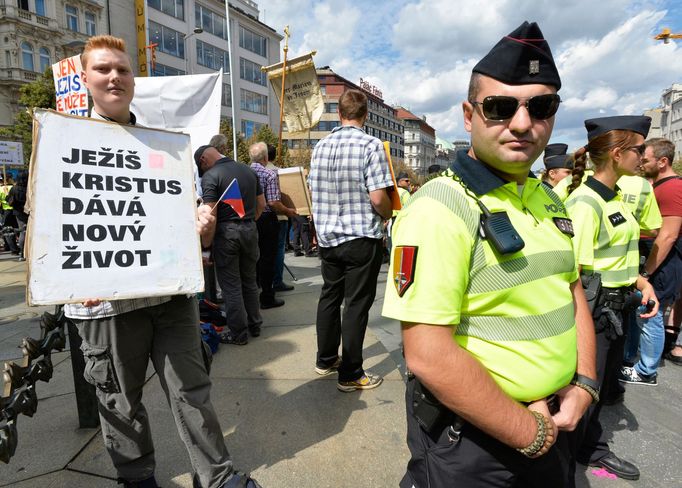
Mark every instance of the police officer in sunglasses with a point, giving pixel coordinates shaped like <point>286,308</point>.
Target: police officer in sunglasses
<point>498,338</point>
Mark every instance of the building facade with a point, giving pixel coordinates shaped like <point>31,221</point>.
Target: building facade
<point>420,141</point>
<point>382,120</point>
<point>670,116</point>
<point>34,34</point>
<point>191,37</point>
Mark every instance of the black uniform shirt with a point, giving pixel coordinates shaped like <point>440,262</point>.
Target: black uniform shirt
<point>215,181</point>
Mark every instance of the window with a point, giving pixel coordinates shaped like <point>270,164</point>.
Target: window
<point>210,21</point>
<point>163,70</point>
<point>174,8</point>
<point>44,59</point>
<point>254,102</point>
<point>253,42</point>
<point>90,24</point>
<point>250,71</point>
<point>23,4</point>
<point>27,56</point>
<point>40,7</point>
<point>72,18</point>
<point>169,41</point>
<point>227,96</point>
<point>250,127</point>
<point>212,57</point>
<point>331,108</point>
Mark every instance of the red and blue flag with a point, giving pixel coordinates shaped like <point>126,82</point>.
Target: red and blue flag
<point>232,196</point>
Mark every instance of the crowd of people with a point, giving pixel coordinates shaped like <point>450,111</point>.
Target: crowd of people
<point>502,390</point>
<point>13,218</point>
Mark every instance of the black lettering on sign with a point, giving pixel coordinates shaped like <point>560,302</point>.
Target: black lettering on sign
<point>75,259</point>
<point>617,219</point>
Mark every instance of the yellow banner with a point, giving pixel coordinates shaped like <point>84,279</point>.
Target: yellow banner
<point>141,30</point>
<point>303,102</point>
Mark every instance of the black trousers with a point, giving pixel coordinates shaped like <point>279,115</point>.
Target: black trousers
<point>590,440</point>
<point>301,233</point>
<point>235,251</point>
<point>268,237</point>
<point>350,272</point>
<point>469,458</point>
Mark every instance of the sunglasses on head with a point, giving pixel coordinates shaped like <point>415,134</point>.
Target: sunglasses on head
<point>500,107</point>
<point>638,149</point>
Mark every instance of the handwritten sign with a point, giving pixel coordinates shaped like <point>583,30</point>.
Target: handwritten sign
<point>113,212</point>
<point>72,96</point>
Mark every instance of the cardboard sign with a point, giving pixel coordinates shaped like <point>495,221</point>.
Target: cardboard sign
<point>112,212</point>
<point>11,153</point>
<point>292,184</point>
<point>71,93</point>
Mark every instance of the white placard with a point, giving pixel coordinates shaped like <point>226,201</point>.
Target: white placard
<point>113,212</point>
<point>11,153</point>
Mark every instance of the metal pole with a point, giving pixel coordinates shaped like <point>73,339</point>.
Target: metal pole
<point>281,99</point>
<point>229,54</point>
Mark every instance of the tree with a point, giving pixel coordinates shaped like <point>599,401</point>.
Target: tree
<point>242,147</point>
<point>266,135</point>
<point>37,94</point>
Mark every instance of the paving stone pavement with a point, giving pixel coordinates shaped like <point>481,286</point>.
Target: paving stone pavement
<point>283,423</point>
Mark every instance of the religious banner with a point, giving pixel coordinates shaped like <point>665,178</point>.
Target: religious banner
<point>113,212</point>
<point>71,94</point>
<point>303,102</point>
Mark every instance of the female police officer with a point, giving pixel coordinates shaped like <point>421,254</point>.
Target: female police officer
<point>606,245</point>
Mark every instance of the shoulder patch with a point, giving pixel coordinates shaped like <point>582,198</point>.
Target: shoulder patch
<point>617,219</point>
<point>404,263</point>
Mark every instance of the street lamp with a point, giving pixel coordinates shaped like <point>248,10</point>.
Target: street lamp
<point>197,30</point>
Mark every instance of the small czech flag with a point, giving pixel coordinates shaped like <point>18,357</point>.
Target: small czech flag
<point>233,197</point>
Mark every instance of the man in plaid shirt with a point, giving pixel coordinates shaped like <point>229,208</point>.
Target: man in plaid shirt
<point>349,175</point>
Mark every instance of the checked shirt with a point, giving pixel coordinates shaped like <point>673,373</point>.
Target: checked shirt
<point>347,165</point>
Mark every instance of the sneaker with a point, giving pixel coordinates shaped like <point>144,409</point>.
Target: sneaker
<point>229,338</point>
<point>322,371</point>
<point>298,253</point>
<point>630,375</point>
<point>366,382</point>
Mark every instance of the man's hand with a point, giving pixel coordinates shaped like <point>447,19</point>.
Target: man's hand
<point>573,402</point>
<point>551,436</point>
<point>206,220</point>
<point>648,293</point>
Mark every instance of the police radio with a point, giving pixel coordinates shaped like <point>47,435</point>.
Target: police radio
<point>495,227</point>
<point>498,229</point>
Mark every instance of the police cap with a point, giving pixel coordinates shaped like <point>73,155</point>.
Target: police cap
<point>520,58</point>
<point>403,176</point>
<point>556,157</point>
<point>634,123</point>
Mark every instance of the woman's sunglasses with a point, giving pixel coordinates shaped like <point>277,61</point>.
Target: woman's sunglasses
<point>638,149</point>
<point>499,107</point>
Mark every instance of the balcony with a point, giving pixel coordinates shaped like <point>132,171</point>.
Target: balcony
<point>10,12</point>
<point>18,75</point>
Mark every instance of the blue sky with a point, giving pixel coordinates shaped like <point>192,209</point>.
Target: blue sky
<point>420,52</point>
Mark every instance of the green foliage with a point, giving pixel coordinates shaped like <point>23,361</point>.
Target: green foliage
<point>677,167</point>
<point>38,94</point>
<point>242,147</point>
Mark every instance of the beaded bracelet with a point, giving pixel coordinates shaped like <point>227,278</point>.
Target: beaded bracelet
<point>593,393</point>
<point>540,438</point>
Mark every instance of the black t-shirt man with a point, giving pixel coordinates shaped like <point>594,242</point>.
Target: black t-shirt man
<point>216,180</point>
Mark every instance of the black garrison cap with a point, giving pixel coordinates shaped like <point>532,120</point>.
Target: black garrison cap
<point>634,123</point>
<point>556,157</point>
<point>199,152</point>
<point>522,57</point>
<point>403,176</point>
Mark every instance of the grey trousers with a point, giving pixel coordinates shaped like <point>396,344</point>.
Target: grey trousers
<point>117,351</point>
<point>235,251</point>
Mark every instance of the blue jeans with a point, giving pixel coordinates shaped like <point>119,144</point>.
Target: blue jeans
<point>649,337</point>
<point>279,257</point>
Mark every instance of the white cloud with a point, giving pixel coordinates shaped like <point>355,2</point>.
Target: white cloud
<point>420,53</point>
